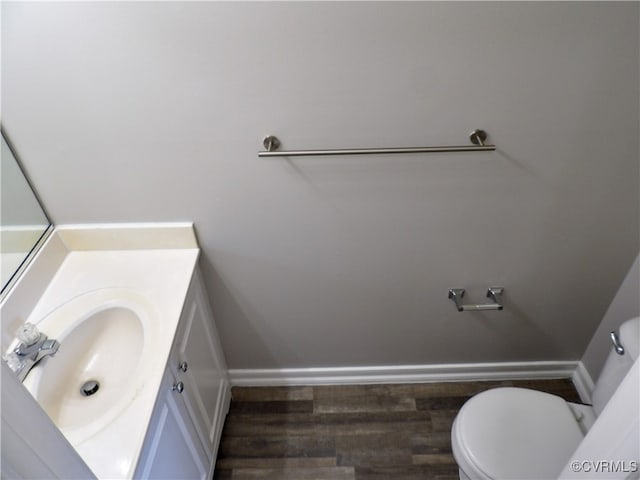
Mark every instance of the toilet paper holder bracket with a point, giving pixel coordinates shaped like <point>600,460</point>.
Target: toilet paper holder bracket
<point>494,293</point>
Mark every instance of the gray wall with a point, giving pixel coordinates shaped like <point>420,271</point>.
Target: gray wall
<point>129,112</point>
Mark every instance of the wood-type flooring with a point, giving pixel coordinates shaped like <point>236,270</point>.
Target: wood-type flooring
<point>350,432</point>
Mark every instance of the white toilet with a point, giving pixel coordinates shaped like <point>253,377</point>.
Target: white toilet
<point>517,433</point>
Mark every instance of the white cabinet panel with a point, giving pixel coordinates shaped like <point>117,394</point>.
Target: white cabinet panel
<point>205,378</point>
<point>172,450</point>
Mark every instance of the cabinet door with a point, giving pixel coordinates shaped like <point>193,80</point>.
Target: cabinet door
<point>205,378</point>
<point>172,448</point>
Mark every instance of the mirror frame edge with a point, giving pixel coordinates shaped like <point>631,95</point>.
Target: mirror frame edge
<point>8,286</point>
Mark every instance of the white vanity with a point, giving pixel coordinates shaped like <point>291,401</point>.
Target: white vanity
<point>139,384</point>
<point>193,398</point>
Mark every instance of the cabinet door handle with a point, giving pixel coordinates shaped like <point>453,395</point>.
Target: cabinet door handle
<point>178,387</point>
<point>183,366</point>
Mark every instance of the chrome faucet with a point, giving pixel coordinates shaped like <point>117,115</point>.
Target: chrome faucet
<point>33,347</point>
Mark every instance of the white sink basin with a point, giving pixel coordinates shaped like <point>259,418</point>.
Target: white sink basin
<point>106,343</point>
<point>114,305</point>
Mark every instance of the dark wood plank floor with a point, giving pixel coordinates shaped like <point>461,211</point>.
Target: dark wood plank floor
<point>363,432</point>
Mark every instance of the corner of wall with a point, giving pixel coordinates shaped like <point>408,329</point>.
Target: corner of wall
<point>583,381</point>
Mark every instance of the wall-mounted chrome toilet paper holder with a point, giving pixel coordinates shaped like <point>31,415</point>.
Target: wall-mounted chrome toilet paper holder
<point>494,293</point>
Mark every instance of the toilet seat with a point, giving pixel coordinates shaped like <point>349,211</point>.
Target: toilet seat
<point>509,433</point>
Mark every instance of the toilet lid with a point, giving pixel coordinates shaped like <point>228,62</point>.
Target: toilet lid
<point>509,433</point>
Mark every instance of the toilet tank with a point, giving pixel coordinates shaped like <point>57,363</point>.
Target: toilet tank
<point>617,366</point>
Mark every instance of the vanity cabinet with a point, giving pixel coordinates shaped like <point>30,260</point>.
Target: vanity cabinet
<point>183,435</point>
<point>172,447</point>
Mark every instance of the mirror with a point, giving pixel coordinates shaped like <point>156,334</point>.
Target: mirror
<point>24,225</point>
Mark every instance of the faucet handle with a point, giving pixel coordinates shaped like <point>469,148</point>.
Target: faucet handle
<point>28,334</point>
<point>14,362</point>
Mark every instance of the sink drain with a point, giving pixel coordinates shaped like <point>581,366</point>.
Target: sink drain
<point>89,387</point>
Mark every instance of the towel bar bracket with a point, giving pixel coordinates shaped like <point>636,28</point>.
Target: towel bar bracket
<point>272,143</point>
<point>478,137</point>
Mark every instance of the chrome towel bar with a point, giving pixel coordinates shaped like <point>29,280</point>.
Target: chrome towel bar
<point>477,137</point>
<point>494,293</point>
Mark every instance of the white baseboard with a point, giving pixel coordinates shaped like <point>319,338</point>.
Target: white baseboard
<point>583,382</point>
<point>403,374</point>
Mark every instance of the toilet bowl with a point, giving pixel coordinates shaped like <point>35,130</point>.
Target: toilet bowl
<point>518,433</point>
<point>509,433</point>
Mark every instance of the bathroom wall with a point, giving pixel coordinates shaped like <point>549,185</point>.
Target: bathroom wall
<point>140,111</point>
